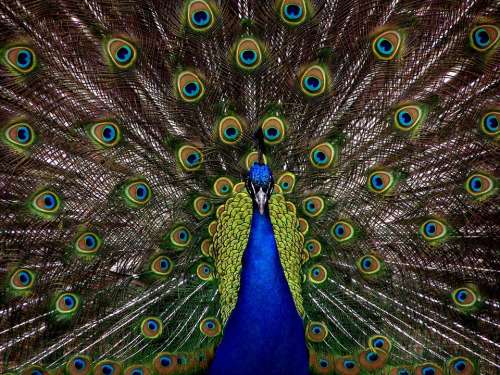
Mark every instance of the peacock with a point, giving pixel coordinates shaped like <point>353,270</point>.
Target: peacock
<point>249,187</point>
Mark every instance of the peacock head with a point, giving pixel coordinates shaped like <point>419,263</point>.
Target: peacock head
<point>260,183</point>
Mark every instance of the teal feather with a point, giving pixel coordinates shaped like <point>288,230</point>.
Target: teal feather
<point>126,126</point>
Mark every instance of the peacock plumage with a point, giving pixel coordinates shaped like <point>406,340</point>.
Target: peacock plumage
<point>249,187</point>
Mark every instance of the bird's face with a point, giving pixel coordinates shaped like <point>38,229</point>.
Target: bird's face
<point>259,184</point>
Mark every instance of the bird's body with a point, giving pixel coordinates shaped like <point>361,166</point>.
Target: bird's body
<point>276,337</point>
<point>248,187</point>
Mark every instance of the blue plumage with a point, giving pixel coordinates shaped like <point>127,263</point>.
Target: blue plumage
<point>265,323</point>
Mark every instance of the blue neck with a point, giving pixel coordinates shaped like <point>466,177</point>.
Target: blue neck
<point>264,334</point>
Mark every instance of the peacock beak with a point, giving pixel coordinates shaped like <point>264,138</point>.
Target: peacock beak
<point>261,200</point>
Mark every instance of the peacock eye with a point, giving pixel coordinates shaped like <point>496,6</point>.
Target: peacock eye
<point>428,370</point>
<point>342,231</point>
<point>293,12</point>
<point>46,202</point>
<point>190,158</point>
<point>161,265</point>
<point>107,367</point>
<point>433,229</point>
<point>313,206</point>
<point>489,123</point>
<point>324,363</point>
<point>380,342</point>
<point>180,237</point>
<point>273,129</point>
<point>313,81</point>
<point>313,247</point>
<point>380,181</point>
<point>88,243</point>
<point>408,117</point>
<point>464,297</point>
<point>322,156</point>
<point>369,264</point>
<point>138,193</point>
<point>22,279</point>
<point>230,130</point>
<point>67,303</point>
<point>134,371</point>
<point>248,54</point>
<point>317,274</point>
<point>32,370</point>
<point>460,365</point>
<point>122,53</point>
<point>479,185</point>
<point>151,327</point>
<point>190,87</point>
<point>205,246</point>
<point>303,225</point>
<point>211,327</point>
<point>223,187</point>
<point>484,37</point>
<point>316,331</point>
<point>166,360</point>
<point>202,207</point>
<point>286,182</point>
<point>372,359</point>
<point>348,364</point>
<point>386,45</point>
<point>78,365</point>
<point>403,371</point>
<point>20,135</point>
<point>200,16</point>
<point>204,271</point>
<point>21,58</point>
<point>106,134</point>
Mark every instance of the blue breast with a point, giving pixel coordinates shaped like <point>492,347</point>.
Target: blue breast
<point>264,334</point>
